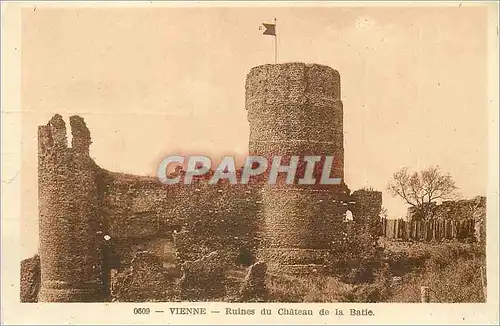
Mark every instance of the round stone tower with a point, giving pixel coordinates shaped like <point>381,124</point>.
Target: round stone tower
<point>71,236</point>
<point>294,109</point>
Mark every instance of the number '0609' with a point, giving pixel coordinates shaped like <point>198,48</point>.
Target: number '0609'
<point>141,311</point>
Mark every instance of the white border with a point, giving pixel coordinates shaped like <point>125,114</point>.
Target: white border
<point>14,312</point>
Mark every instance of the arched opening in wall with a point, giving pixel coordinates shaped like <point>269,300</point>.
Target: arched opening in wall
<point>348,216</point>
<point>244,258</point>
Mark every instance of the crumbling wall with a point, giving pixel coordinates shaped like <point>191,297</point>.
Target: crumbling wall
<point>30,279</point>
<point>479,216</point>
<point>223,217</point>
<point>145,216</point>
<point>458,210</point>
<point>124,222</point>
<point>365,206</point>
<point>137,207</point>
<point>71,229</point>
<point>145,279</point>
<point>204,279</point>
<point>200,217</point>
<point>253,287</point>
<point>451,209</point>
<point>359,244</point>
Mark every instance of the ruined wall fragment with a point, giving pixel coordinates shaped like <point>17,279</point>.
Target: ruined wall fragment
<point>222,217</point>
<point>365,207</point>
<point>254,287</point>
<point>69,197</point>
<point>293,109</point>
<point>146,279</point>
<point>204,279</point>
<point>30,279</point>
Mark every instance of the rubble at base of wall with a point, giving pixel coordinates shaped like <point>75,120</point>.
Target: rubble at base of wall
<point>204,279</point>
<point>253,287</point>
<point>30,279</point>
<point>146,279</point>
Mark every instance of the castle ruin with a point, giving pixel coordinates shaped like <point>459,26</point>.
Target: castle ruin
<point>92,220</point>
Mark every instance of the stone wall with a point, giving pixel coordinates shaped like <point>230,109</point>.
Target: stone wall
<point>199,217</point>
<point>479,216</point>
<point>300,227</point>
<point>144,279</point>
<point>71,230</point>
<point>30,279</point>
<point>123,222</point>
<point>456,210</point>
<point>365,206</point>
<point>223,217</point>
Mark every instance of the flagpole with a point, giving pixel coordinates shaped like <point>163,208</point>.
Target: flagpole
<point>275,41</point>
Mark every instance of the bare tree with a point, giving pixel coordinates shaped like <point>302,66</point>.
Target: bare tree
<point>420,189</point>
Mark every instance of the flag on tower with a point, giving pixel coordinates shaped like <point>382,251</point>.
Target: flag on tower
<point>270,29</point>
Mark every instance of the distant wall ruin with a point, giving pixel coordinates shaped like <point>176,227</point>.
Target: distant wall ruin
<point>93,221</point>
<point>450,220</point>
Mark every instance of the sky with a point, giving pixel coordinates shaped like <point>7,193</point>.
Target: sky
<point>150,82</point>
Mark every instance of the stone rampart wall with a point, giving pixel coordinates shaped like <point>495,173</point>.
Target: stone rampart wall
<point>95,225</point>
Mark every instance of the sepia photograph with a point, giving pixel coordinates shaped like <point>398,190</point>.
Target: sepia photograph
<point>265,153</point>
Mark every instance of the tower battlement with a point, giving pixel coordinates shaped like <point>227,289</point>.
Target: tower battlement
<point>295,109</point>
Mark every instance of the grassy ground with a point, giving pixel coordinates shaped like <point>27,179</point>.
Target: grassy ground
<point>395,272</point>
<point>451,270</point>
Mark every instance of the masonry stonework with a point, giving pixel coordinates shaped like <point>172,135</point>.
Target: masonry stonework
<point>94,224</point>
<point>70,221</point>
<point>295,109</point>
